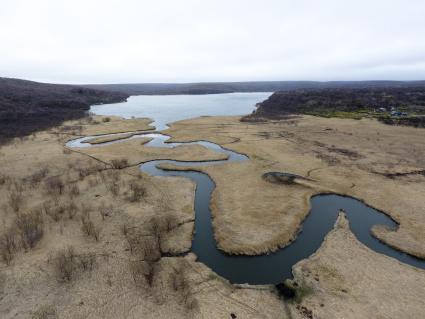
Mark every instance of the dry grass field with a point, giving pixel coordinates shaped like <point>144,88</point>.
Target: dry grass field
<point>83,236</point>
<point>379,164</point>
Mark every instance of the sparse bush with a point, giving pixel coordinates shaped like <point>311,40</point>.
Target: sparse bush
<point>119,163</point>
<point>143,272</point>
<point>170,222</point>
<point>45,312</point>
<point>137,191</point>
<point>15,199</point>
<point>159,225</point>
<point>181,284</point>
<point>30,227</point>
<point>110,175</point>
<point>8,245</point>
<point>85,209</point>
<point>54,185</point>
<point>156,228</point>
<point>3,179</point>
<point>66,151</point>
<point>93,182</point>
<point>88,227</point>
<point>105,210</point>
<point>86,171</point>
<point>133,240</point>
<point>71,210</point>
<point>37,177</point>
<point>178,279</point>
<point>87,261</point>
<point>106,119</point>
<point>113,188</point>
<point>124,229</point>
<point>150,250</point>
<point>67,264</point>
<point>54,211</point>
<point>73,191</point>
<point>143,245</point>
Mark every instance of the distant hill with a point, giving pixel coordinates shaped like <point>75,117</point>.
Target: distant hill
<point>230,87</point>
<point>403,105</point>
<point>27,106</point>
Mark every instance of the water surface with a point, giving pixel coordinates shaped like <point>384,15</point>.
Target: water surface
<point>170,108</point>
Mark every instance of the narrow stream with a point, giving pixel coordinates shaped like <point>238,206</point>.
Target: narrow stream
<point>275,267</point>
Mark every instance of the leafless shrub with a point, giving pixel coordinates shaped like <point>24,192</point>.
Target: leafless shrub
<point>73,190</point>
<point>37,177</point>
<point>45,312</point>
<point>159,225</point>
<point>110,175</point>
<point>113,187</point>
<point>133,241</point>
<point>155,226</point>
<point>66,151</point>
<point>105,211</point>
<point>4,179</point>
<point>93,182</point>
<point>178,279</point>
<point>15,199</point>
<point>85,209</point>
<point>86,171</point>
<point>106,119</point>
<point>119,163</point>
<point>16,185</point>
<point>54,185</point>
<point>125,229</point>
<point>191,303</point>
<point>142,245</point>
<point>137,191</point>
<point>65,264</point>
<point>71,210</point>
<point>150,250</point>
<point>8,245</point>
<point>89,228</point>
<point>47,207</point>
<point>180,283</point>
<point>30,227</point>
<point>143,272</point>
<point>170,222</point>
<point>56,211</point>
<point>68,264</point>
<point>87,261</point>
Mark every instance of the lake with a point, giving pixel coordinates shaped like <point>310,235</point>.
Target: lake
<point>165,109</point>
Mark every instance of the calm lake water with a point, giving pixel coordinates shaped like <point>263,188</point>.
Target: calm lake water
<point>165,109</point>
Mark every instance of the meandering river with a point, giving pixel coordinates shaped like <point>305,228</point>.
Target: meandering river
<point>264,269</point>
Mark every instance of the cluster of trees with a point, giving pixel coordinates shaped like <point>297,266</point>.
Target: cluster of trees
<point>325,101</point>
<point>26,107</point>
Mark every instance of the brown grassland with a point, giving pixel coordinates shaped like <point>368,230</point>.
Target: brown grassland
<point>84,234</point>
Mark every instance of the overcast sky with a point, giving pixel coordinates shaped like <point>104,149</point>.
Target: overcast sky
<point>106,41</point>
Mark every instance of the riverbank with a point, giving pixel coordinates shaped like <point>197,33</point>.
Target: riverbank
<point>88,216</point>
<point>349,157</point>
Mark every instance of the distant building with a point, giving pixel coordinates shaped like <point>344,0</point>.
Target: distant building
<point>398,113</point>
